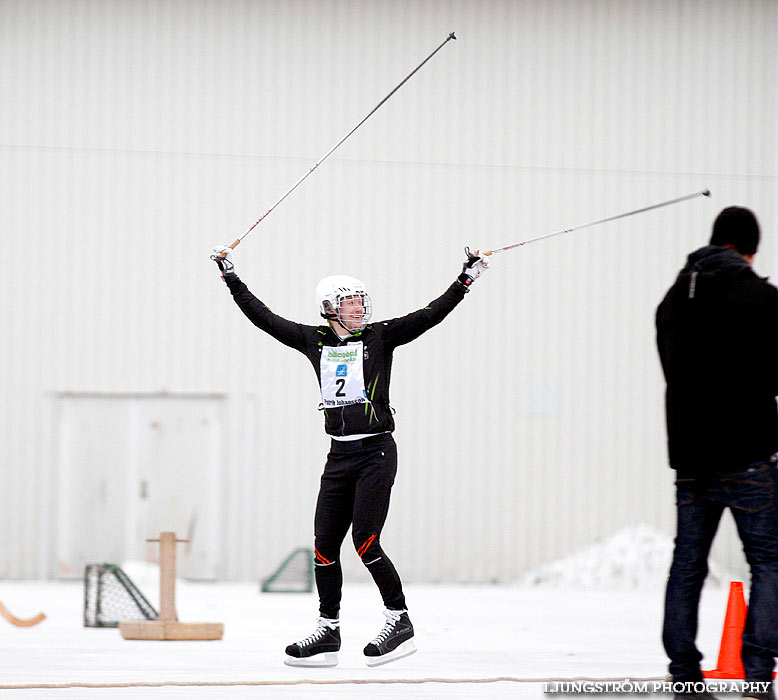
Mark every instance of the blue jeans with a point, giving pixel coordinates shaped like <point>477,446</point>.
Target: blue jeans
<point>751,496</point>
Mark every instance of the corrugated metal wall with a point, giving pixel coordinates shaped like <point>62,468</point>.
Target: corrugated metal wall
<point>136,135</point>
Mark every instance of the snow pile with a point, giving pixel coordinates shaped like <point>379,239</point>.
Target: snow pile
<point>638,556</point>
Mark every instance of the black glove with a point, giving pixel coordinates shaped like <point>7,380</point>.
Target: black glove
<point>222,256</point>
<point>473,267</point>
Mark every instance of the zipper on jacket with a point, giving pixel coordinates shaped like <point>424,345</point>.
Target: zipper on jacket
<point>693,284</point>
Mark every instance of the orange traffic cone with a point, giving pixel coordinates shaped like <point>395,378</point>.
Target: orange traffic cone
<point>730,665</point>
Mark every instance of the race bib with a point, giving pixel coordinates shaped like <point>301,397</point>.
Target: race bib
<point>342,377</point>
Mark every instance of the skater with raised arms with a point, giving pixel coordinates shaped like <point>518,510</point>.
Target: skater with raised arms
<point>352,359</point>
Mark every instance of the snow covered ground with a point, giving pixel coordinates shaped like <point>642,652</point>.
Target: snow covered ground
<point>469,637</point>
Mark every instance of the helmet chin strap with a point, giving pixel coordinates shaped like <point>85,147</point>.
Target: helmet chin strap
<point>335,316</point>
<point>348,330</point>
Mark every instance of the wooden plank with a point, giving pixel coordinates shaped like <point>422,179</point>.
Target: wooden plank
<point>152,629</point>
<point>194,630</point>
<point>167,576</point>
<point>161,630</point>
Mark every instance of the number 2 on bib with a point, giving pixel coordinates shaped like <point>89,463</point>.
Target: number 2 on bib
<point>342,375</point>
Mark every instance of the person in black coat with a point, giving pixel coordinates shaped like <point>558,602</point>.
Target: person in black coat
<point>717,335</point>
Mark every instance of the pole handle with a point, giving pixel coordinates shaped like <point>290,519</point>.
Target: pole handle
<point>232,245</point>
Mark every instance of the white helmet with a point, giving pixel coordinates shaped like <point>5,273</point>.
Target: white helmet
<point>344,299</point>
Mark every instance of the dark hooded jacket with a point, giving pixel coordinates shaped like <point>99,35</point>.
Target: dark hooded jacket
<point>717,333</point>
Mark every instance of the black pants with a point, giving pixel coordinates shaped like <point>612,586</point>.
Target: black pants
<point>355,489</point>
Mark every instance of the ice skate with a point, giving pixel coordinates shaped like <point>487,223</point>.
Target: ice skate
<point>393,642</point>
<point>317,649</point>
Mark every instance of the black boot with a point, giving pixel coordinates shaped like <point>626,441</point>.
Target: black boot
<point>394,641</point>
<point>318,649</point>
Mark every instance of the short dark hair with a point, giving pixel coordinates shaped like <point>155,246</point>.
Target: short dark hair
<point>738,228</point>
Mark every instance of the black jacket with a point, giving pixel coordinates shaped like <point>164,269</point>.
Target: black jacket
<point>717,333</point>
<point>349,410</point>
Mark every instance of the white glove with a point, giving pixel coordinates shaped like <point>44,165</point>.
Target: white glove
<point>222,256</point>
<point>474,265</point>
<point>482,264</point>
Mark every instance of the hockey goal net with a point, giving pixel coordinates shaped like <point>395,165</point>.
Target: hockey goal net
<point>293,575</point>
<point>110,597</point>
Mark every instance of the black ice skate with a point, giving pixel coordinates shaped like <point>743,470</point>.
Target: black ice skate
<point>318,649</point>
<point>393,642</point>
